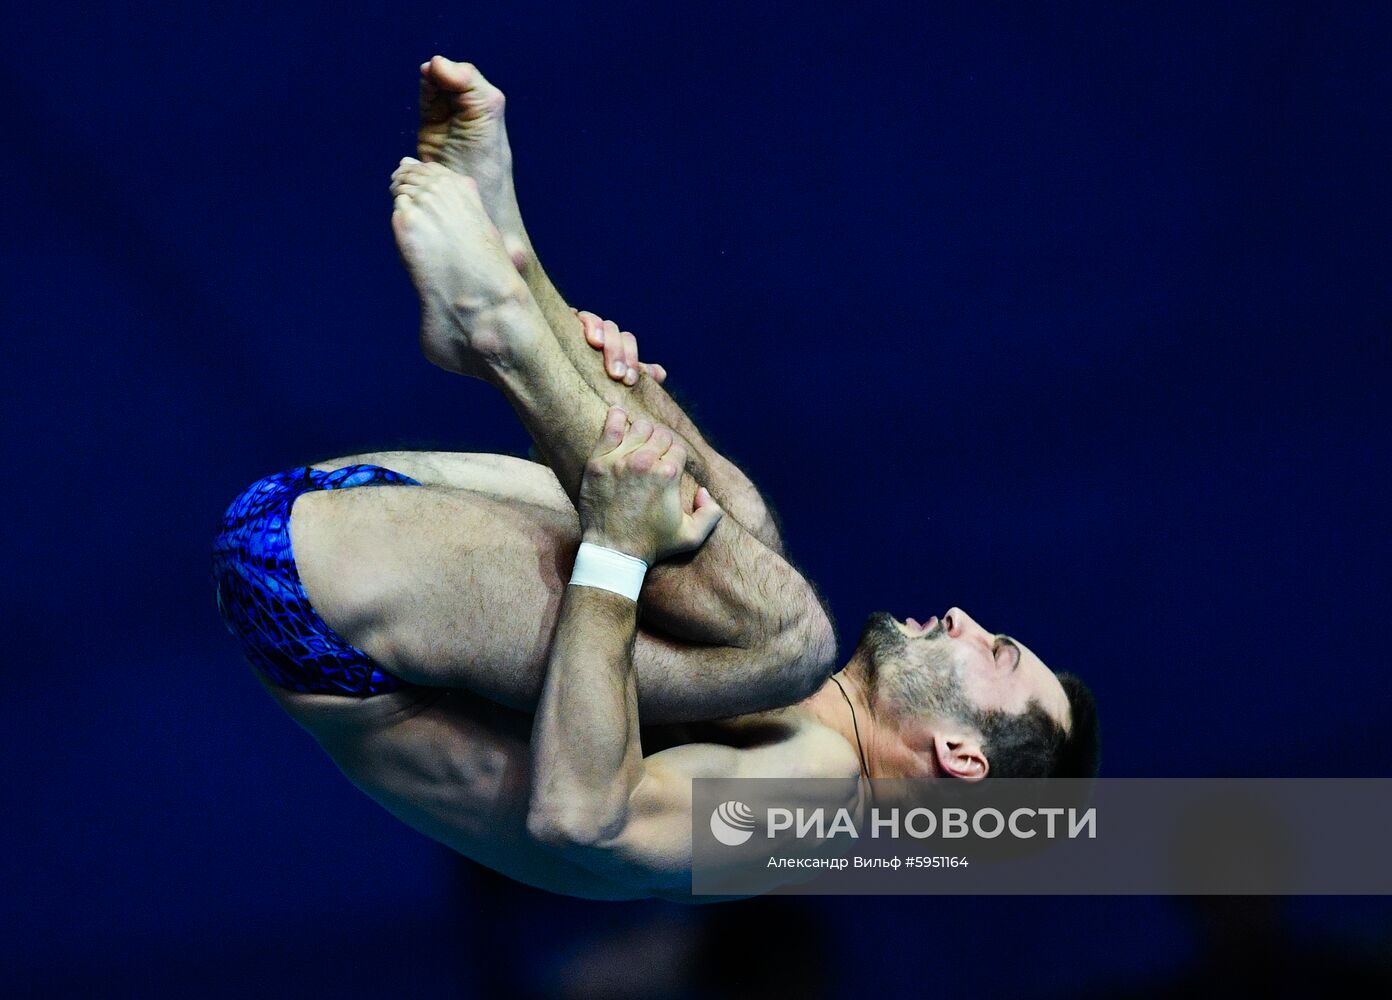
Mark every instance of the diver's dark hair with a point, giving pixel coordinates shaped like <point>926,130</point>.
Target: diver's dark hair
<point>1033,745</point>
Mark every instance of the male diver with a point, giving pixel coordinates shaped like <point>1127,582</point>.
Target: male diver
<point>425,616</point>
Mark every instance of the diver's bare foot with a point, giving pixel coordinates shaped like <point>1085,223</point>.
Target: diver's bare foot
<point>470,292</point>
<point>462,128</point>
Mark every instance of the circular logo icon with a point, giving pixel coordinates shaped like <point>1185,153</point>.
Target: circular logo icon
<point>732,823</point>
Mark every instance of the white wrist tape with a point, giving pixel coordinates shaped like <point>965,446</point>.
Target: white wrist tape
<point>608,569</point>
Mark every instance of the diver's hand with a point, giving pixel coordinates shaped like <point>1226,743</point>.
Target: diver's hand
<point>629,495</point>
<point>620,350</point>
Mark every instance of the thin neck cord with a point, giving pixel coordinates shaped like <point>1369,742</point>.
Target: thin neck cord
<point>860,748</point>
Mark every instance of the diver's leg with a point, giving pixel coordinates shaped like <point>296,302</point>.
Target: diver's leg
<point>463,128</point>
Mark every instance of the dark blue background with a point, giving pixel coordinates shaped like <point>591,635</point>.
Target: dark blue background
<point>1076,316</point>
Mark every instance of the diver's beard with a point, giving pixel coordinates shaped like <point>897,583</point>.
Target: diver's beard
<point>880,642</point>
<point>914,675</point>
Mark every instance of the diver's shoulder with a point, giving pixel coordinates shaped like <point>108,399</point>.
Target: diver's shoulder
<point>791,740</point>
<point>822,752</point>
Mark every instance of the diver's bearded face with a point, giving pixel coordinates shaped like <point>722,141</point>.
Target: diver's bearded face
<point>914,675</point>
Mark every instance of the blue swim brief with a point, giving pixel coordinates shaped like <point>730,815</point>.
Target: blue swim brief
<point>262,600</point>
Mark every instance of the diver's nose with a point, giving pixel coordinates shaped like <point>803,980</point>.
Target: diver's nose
<point>959,623</point>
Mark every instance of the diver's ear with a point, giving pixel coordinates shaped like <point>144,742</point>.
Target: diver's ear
<point>960,755</point>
